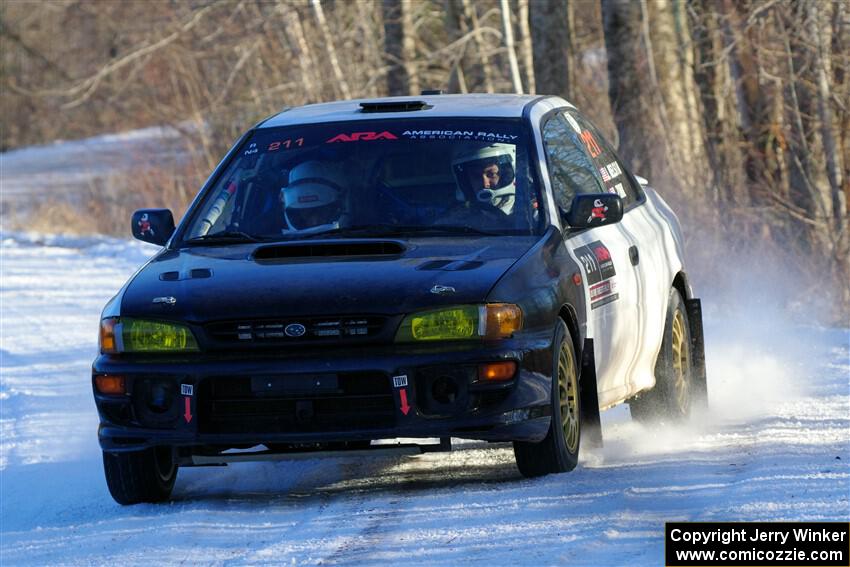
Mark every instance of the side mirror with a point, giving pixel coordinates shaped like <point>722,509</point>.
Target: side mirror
<point>152,225</point>
<point>595,209</point>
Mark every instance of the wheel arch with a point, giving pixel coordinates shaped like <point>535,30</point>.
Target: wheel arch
<point>567,313</point>
<point>682,285</point>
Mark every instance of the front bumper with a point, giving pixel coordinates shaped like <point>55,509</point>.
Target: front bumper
<point>318,396</point>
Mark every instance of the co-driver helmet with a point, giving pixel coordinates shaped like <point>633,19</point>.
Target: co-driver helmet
<point>469,165</point>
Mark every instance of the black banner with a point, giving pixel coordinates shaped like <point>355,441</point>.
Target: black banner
<point>763,544</point>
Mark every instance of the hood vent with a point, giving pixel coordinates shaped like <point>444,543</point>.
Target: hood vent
<point>196,273</point>
<point>324,249</point>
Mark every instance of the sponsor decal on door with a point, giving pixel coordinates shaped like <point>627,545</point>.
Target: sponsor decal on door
<point>599,269</point>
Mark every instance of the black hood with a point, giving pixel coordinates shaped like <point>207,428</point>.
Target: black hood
<point>361,277</point>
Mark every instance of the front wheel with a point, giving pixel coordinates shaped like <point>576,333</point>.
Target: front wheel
<point>140,476</point>
<point>558,452</point>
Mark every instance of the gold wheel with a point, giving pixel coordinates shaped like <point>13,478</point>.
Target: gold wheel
<point>681,362</point>
<point>568,397</point>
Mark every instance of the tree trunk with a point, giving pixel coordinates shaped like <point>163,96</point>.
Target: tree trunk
<point>550,41</point>
<point>340,82</point>
<point>457,27</point>
<point>654,97</point>
<point>400,48</point>
<point>525,49</point>
<point>507,26</point>
<point>480,47</point>
<point>301,50</point>
<point>628,70</point>
<point>677,97</point>
<point>373,48</point>
<point>713,74</point>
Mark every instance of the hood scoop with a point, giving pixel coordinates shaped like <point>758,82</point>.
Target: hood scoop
<point>325,249</point>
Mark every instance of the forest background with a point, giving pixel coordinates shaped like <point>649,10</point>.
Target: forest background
<point>737,111</point>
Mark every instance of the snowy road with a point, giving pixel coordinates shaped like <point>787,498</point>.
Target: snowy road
<point>776,446</point>
<point>68,167</point>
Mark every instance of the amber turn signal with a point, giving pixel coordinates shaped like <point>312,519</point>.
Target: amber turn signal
<point>496,371</point>
<point>502,320</point>
<point>107,384</point>
<point>107,335</point>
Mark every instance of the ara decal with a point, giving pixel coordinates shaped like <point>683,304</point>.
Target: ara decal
<point>362,137</point>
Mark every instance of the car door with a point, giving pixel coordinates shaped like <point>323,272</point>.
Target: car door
<point>653,272</point>
<point>610,281</point>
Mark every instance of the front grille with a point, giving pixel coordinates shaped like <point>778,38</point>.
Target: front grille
<point>350,401</point>
<point>296,330</point>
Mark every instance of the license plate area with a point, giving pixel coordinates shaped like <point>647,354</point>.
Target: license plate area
<point>295,385</point>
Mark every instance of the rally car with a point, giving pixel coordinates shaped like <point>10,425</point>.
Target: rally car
<point>468,266</point>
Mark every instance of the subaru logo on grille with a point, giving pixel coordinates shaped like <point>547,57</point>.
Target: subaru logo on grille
<point>295,330</point>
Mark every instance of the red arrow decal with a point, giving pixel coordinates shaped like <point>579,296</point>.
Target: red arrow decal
<point>404,407</point>
<point>187,415</point>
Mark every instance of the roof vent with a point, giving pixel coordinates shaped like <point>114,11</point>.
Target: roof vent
<point>430,92</point>
<point>394,106</point>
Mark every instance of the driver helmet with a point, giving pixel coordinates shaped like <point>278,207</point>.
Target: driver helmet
<point>312,200</point>
<point>489,172</point>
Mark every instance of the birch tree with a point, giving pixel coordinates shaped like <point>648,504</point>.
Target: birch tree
<point>507,26</point>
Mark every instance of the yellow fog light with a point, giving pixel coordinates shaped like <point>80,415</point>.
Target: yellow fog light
<point>110,384</point>
<point>496,371</point>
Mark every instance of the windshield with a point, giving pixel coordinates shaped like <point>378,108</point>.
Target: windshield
<point>424,177</point>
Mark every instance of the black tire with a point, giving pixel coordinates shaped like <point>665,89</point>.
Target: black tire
<point>558,452</point>
<point>673,394</point>
<point>140,476</point>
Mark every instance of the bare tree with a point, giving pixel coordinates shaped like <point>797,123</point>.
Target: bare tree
<point>471,14</point>
<point>551,36</point>
<point>341,83</point>
<point>400,47</point>
<point>525,49</point>
<point>507,26</point>
<point>654,95</point>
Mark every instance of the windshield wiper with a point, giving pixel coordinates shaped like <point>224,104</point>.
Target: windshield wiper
<point>227,236</point>
<point>387,229</point>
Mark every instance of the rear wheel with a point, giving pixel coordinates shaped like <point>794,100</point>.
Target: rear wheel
<point>673,394</point>
<point>558,452</point>
<point>140,476</point>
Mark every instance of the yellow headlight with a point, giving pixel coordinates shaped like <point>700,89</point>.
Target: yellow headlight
<point>139,335</point>
<point>460,322</point>
<point>446,324</point>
